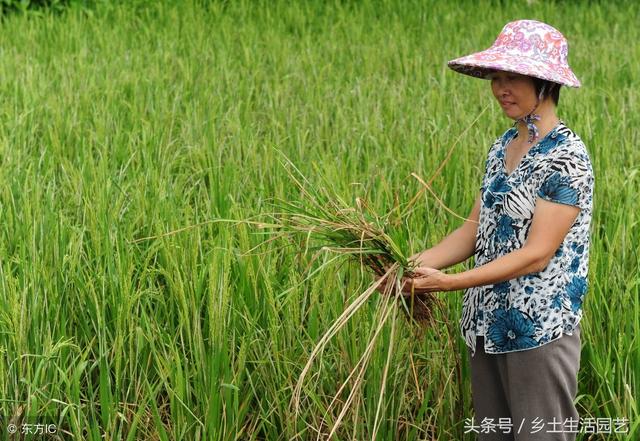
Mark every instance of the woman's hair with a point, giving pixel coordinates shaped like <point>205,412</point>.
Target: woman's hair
<point>551,89</point>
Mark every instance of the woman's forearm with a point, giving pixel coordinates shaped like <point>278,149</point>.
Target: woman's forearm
<point>454,248</point>
<point>517,263</point>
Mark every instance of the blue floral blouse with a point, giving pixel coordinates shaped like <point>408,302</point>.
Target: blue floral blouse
<point>531,310</point>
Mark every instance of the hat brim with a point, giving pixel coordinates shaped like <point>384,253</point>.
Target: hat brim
<point>481,64</point>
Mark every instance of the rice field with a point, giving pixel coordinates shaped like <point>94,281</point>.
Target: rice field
<point>128,120</point>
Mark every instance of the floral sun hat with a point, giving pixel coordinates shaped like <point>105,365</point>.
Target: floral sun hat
<point>527,47</point>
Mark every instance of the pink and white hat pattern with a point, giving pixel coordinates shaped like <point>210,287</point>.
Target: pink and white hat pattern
<point>526,47</point>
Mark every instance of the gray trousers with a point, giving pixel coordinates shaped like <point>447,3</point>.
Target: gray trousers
<point>532,390</point>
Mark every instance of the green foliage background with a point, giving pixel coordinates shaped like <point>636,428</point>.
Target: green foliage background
<point>125,120</point>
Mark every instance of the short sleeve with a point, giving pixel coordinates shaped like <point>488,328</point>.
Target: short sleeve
<point>569,177</point>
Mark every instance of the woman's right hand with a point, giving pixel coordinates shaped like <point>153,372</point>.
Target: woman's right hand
<point>386,286</point>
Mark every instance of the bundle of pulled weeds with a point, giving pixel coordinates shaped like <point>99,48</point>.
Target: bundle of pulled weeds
<point>324,217</point>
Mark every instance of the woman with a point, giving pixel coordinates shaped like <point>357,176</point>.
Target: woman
<point>529,233</point>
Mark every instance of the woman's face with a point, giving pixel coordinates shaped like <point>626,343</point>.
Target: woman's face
<point>516,93</point>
